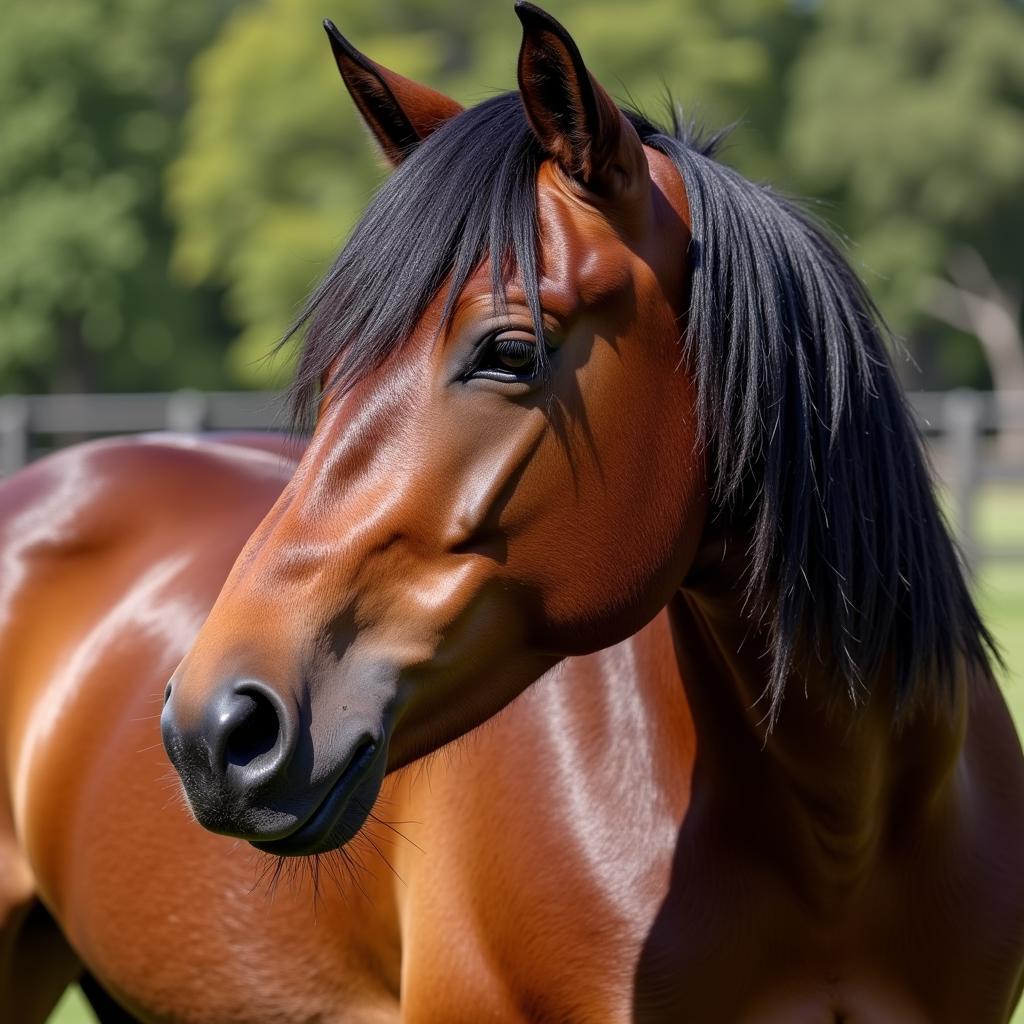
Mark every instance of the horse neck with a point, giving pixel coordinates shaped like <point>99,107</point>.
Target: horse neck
<point>826,784</point>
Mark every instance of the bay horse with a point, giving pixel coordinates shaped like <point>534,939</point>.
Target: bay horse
<point>603,656</point>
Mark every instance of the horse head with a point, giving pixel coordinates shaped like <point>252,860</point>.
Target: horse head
<point>502,470</point>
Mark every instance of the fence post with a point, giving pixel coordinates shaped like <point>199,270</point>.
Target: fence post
<point>186,411</point>
<point>13,433</point>
<point>962,412</point>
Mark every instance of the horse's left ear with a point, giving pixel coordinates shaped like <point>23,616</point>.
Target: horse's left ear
<point>576,121</point>
<point>399,112</point>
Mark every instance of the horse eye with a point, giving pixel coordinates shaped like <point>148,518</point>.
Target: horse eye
<point>507,357</point>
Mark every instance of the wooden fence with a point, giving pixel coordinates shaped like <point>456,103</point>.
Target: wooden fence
<point>31,425</point>
<point>976,438</point>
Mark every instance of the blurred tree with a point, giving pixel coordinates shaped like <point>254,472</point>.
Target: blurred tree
<point>276,168</point>
<point>910,116</point>
<point>92,93</point>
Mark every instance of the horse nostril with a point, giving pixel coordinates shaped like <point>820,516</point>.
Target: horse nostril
<point>250,727</point>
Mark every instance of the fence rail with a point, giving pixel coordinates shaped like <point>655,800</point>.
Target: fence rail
<point>977,438</point>
<point>43,418</point>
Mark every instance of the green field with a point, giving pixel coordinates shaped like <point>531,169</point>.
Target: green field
<point>1000,592</point>
<point>1001,596</point>
<point>1000,588</point>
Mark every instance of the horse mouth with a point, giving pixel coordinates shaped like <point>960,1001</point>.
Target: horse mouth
<point>334,821</point>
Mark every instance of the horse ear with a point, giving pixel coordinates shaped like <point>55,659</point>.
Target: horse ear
<point>399,112</point>
<point>576,121</point>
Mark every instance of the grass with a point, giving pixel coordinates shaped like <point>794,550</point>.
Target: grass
<point>73,1009</point>
<point>1000,588</point>
<point>1000,591</point>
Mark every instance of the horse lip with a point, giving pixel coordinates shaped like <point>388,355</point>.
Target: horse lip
<point>314,834</point>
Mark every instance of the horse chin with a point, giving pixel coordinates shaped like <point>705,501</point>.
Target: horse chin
<point>342,812</point>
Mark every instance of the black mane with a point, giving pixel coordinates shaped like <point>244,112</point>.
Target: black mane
<point>812,450</point>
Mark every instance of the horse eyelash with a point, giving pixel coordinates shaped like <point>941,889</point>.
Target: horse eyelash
<point>483,345</point>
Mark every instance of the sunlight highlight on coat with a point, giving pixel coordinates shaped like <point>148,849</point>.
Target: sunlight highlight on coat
<point>136,613</point>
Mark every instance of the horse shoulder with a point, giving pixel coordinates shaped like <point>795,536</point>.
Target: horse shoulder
<point>989,790</point>
<point>112,553</point>
<point>121,549</point>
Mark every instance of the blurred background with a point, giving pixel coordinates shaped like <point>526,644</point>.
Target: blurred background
<point>174,177</point>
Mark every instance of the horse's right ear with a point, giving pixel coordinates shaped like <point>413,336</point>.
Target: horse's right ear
<point>400,113</point>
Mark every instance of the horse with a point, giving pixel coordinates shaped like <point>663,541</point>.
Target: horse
<point>603,655</point>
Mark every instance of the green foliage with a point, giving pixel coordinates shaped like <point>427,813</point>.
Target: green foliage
<point>91,94</point>
<point>276,167</point>
<point>906,119</point>
<point>910,116</point>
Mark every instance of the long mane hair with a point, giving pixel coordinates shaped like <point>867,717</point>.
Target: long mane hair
<point>813,453</point>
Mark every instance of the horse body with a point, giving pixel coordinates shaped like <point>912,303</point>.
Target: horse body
<point>727,743</point>
<point>618,844</point>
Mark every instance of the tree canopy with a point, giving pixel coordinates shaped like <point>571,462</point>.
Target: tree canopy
<point>91,96</point>
<point>174,179</point>
<point>909,118</point>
